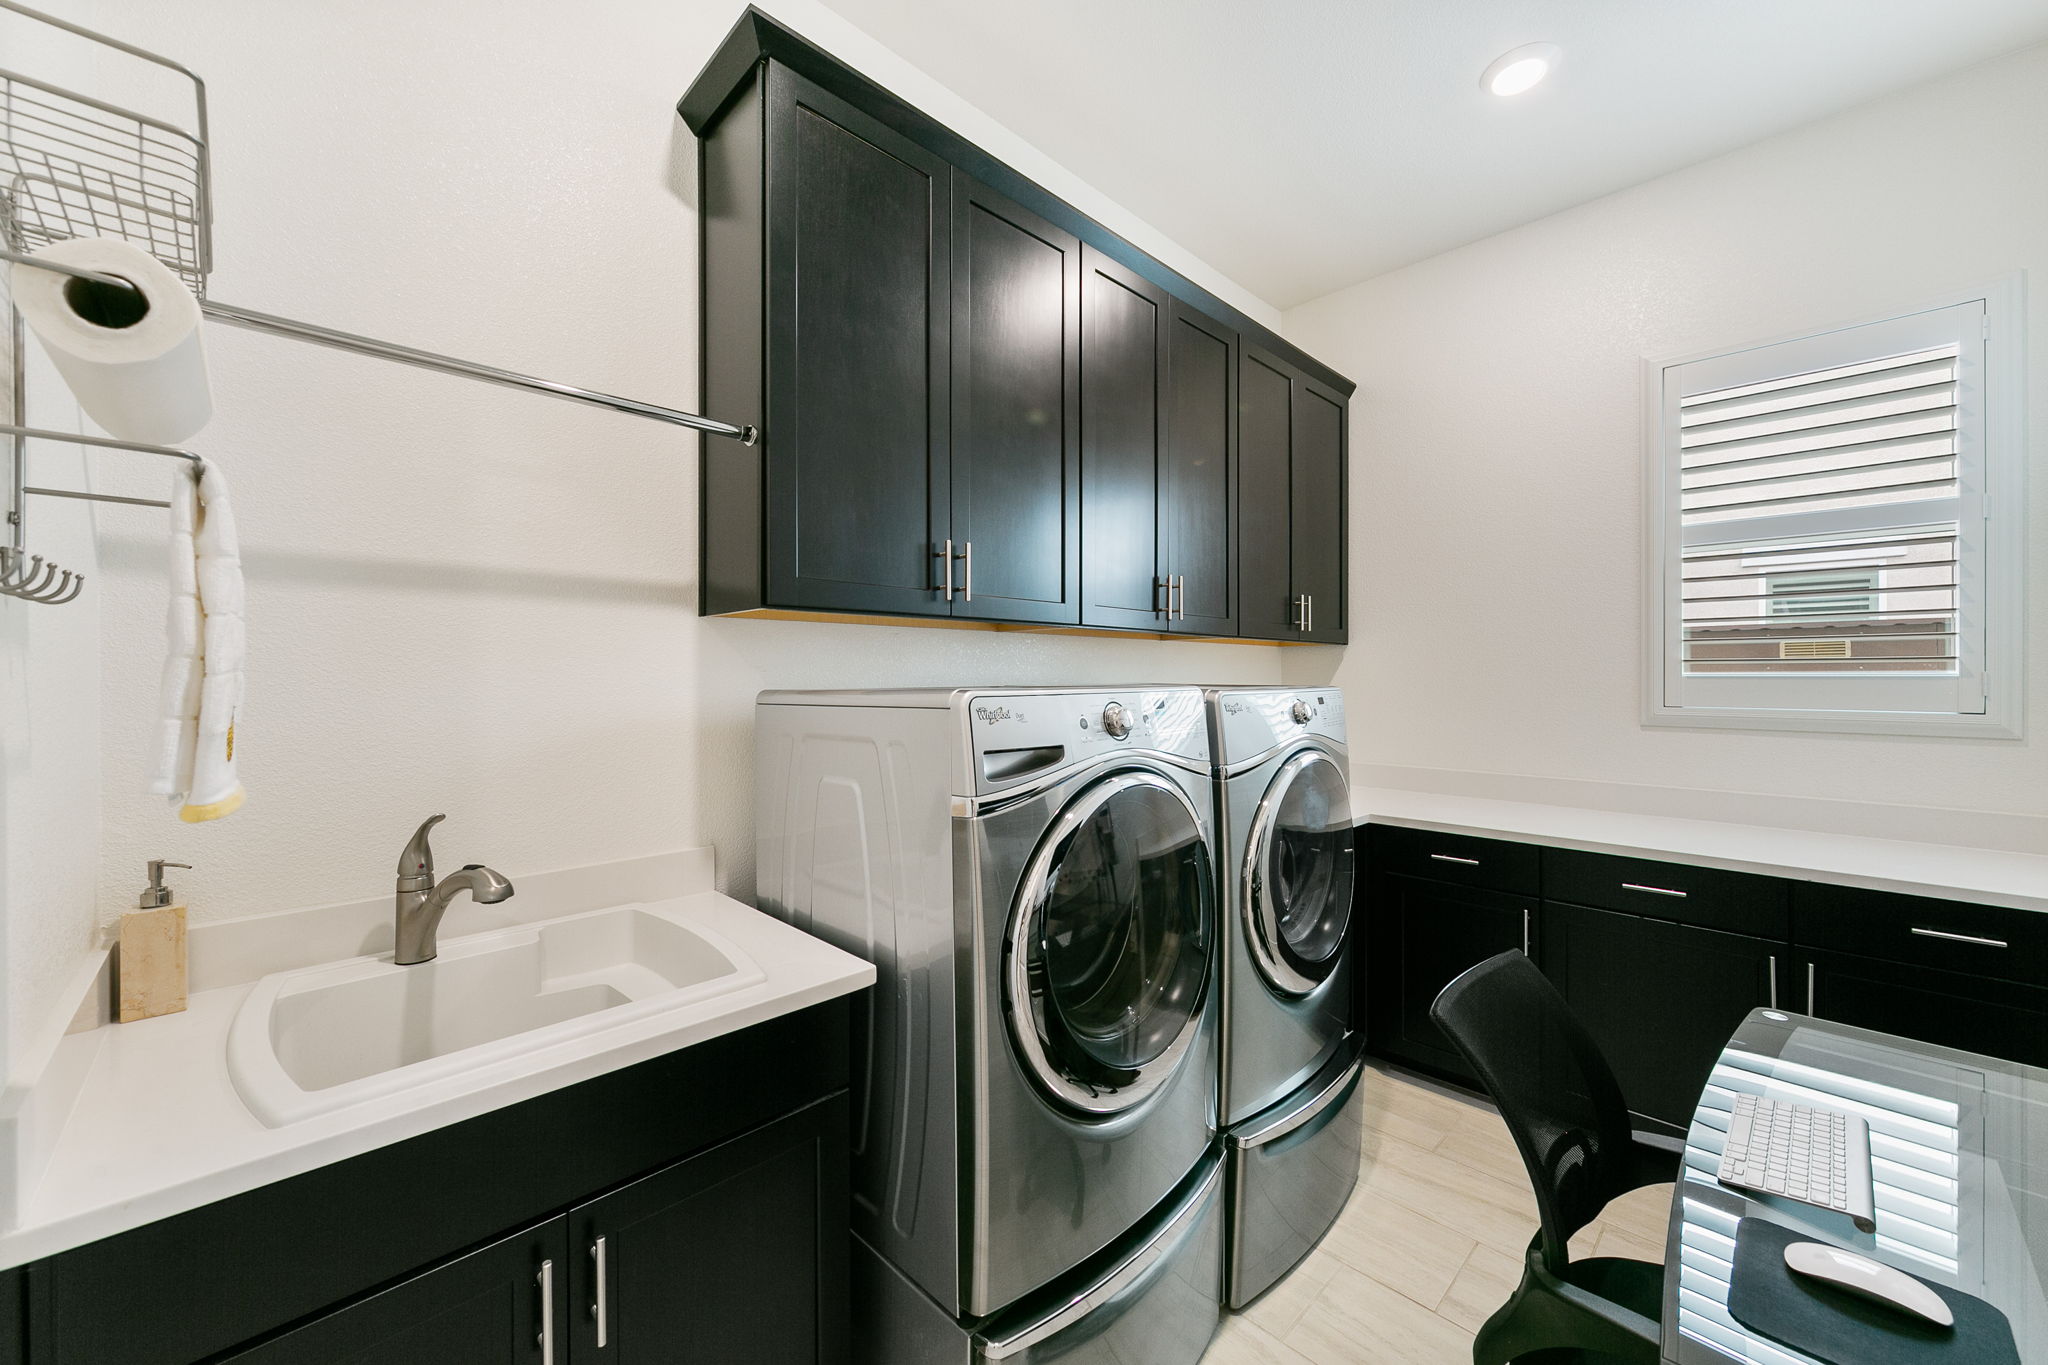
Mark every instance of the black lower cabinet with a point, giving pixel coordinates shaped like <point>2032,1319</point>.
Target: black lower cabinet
<point>495,1306</point>
<point>1661,961</point>
<point>1952,1009</point>
<point>726,1257</point>
<point>1660,999</point>
<point>692,1207</point>
<point>1421,935</point>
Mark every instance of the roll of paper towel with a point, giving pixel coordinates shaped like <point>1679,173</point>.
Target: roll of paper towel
<point>140,372</point>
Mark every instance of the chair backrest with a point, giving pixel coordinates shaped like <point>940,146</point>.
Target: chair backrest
<point>1554,1089</point>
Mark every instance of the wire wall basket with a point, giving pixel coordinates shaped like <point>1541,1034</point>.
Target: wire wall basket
<point>75,166</point>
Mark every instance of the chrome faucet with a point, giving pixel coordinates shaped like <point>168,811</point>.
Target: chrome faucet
<point>422,902</point>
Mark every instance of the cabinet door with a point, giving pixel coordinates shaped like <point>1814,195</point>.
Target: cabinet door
<point>1123,436</point>
<point>1423,934</point>
<point>1951,1009</point>
<point>855,445</point>
<point>737,1256</point>
<point>1016,459</point>
<point>1265,442</point>
<point>1316,490</point>
<point>1661,1000</point>
<point>486,1308</point>
<point>1198,492</point>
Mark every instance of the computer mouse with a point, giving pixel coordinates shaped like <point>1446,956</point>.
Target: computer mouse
<point>1873,1280</point>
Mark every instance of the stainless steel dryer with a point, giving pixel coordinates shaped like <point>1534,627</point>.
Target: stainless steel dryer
<point>1032,872</point>
<point>1289,1079</point>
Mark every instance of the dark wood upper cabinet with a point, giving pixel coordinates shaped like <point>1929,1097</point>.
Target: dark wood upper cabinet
<point>1317,550</point>
<point>839,341</point>
<point>1124,342</point>
<point>1198,502</point>
<point>857,283</point>
<point>1015,472</point>
<point>975,401</point>
<point>1292,481</point>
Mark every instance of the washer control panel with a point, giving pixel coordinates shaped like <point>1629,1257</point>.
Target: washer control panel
<point>1017,737</point>
<point>1253,721</point>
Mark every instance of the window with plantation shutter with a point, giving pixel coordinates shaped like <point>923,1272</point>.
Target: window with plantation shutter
<point>1834,529</point>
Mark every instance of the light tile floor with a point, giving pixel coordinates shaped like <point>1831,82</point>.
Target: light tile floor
<point>1429,1245</point>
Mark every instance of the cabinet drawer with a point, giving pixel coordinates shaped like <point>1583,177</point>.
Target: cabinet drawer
<point>1737,901</point>
<point>1459,858</point>
<point>1924,931</point>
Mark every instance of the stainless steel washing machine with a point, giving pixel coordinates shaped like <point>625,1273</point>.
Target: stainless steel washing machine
<point>1032,872</point>
<point>1288,1083</point>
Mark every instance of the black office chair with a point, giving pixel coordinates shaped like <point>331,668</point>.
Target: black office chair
<point>1568,1118</point>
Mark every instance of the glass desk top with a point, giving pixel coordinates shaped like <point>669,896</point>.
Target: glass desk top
<point>1959,1161</point>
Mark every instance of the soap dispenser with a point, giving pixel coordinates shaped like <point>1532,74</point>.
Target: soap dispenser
<point>149,972</point>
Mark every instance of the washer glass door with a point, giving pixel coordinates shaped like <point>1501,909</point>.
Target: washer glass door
<point>1107,958</point>
<point>1298,873</point>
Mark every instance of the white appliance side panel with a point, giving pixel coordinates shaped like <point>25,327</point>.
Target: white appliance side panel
<point>854,838</point>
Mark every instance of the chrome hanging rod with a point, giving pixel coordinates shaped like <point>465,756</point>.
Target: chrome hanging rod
<point>408,355</point>
<point>99,443</point>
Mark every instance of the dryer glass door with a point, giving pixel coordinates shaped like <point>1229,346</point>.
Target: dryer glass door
<point>1298,873</point>
<point>1109,944</point>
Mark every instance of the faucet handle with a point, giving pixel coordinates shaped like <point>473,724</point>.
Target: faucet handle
<point>417,861</point>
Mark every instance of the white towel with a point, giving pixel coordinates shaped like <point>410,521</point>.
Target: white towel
<point>204,672</point>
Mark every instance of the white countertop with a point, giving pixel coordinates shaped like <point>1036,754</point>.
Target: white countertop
<point>1953,872</point>
<point>156,1127</point>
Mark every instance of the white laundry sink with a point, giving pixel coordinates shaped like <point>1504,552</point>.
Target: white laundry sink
<point>320,1039</point>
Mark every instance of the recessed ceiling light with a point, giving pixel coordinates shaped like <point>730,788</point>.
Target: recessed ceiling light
<point>1521,69</point>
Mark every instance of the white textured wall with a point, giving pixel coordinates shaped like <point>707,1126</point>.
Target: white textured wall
<point>49,743</point>
<point>1496,541</point>
<point>462,598</point>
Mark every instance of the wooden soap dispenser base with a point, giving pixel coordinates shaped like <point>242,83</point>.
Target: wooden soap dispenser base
<point>149,971</point>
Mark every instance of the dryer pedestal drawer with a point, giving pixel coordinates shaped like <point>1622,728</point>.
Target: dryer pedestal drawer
<point>1152,1302</point>
<point>1290,1170</point>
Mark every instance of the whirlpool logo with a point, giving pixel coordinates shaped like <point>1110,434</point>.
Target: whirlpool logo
<point>989,715</point>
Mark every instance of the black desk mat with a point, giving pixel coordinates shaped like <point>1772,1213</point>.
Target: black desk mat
<point>1833,1325</point>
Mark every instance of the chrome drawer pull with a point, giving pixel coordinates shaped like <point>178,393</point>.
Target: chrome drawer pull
<point>547,1312</point>
<point>1525,931</point>
<point>1774,981</point>
<point>1961,938</point>
<point>1653,890</point>
<point>1453,858</point>
<point>599,1309</point>
<point>1810,1009</point>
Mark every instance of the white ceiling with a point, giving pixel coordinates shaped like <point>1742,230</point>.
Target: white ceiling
<point>1302,145</point>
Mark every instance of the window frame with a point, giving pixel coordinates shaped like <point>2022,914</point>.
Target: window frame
<point>2002,528</point>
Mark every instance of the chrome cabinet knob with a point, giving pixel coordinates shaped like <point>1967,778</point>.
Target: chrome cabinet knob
<point>1116,722</point>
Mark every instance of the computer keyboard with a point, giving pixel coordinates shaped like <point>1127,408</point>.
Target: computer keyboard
<point>1795,1151</point>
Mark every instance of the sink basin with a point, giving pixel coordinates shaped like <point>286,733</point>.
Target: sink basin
<point>325,1038</point>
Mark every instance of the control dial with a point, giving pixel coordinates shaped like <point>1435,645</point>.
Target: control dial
<point>1116,722</point>
<point>1301,713</point>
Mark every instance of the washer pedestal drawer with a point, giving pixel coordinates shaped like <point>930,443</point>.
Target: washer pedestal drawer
<point>1288,1173</point>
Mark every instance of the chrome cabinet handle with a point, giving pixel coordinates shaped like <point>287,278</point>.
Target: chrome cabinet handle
<point>1180,596</point>
<point>945,557</point>
<point>966,556</point>
<point>547,1312</point>
<point>1809,992</point>
<point>1453,858</point>
<point>1774,980</point>
<point>1653,890</point>
<point>1173,599</point>
<point>1525,931</point>
<point>1961,938</point>
<point>1311,612</point>
<point>598,1308</point>
<point>1162,588</point>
